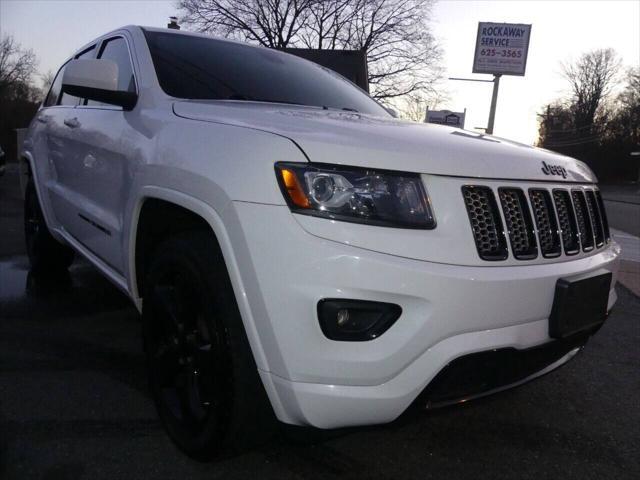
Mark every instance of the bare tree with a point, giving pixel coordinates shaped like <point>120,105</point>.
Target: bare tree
<point>17,67</point>
<point>414,106</point>
<point>17,94</point>
<point>592,124</point>
<point>591,78</point>
<point>46,80</point>
<point>326,22</point>
<point>271,23</point>
<point>623,124</point>
<point>402,54</point>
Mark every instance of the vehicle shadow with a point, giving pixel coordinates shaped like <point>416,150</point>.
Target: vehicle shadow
<point>74,404</point>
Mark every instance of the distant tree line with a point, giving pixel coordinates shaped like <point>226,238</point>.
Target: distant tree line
<point>19,97</point>
<point>599,122</point>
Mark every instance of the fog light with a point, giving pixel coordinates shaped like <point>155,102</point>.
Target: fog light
<point>356,320</point>
<point>342,317</point>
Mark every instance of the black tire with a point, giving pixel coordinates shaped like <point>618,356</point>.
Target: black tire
<point>46,254</point>
<point>202,374</point>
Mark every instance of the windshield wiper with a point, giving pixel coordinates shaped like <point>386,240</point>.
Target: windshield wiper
<point>237,96</point>
<point>265,100</point>
<point>346,109</point>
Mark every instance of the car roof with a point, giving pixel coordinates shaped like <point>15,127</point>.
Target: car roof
<point>174,31</point>
<point>171,31</point>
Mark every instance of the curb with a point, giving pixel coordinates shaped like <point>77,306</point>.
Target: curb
<point>629,271</point>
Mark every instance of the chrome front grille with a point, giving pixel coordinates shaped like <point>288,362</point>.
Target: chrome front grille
<point>584,225</point>
<point>546,223</point>
<point>594,216</point>
<point>567,222</point>
<point>519,224</point>
<point>551,221</point>
<point>603,217</point>
<point>486,223</point>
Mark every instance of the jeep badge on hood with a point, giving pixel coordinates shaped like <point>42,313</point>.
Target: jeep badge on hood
<point>553,170</point>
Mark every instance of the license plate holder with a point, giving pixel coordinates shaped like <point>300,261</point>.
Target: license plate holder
<point>579,305</point>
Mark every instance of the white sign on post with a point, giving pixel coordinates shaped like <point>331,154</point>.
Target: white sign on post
<point>501,48</point>
<point>446,117</point>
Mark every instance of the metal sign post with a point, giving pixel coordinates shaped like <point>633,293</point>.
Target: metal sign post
<point>494,102</point>
<point>501,49</point>
<point>494,99</point>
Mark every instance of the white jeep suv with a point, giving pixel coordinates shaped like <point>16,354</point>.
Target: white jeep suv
<point>293,246</point>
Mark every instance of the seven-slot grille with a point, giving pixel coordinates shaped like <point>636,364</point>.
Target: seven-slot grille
<point>603,217</point>
<point>485,222</point>
<point>594,216</point>
<point>551,221</point>
<point>546,223</point>
<point>567,219</point>
<point>519,223</point>
<point>584,225</point>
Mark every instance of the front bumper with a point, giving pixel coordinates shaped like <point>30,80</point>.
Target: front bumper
<point>449,311</point>
<point>482,373</point>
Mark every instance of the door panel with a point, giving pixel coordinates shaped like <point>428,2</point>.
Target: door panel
<point>60,162</point>
<point>59,122</point>
<point>100,182</point>
<point>99,151</point>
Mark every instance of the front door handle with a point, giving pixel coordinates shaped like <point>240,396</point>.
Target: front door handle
<point>42,119</point>
<point>72,122</point>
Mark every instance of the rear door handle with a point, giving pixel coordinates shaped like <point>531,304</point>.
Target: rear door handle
<point>42,119</point>
<point>72,122</point>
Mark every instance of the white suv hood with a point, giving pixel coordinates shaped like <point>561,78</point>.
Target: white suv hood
<point>330,136</point>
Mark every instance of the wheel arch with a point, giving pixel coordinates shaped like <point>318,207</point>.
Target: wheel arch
<point>208,216</point>
<point>25,171</point>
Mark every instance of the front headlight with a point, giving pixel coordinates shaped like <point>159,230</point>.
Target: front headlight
<point>354,194</point>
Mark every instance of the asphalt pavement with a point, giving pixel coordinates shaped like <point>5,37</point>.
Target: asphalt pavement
<point>74,402</point>
<point>623,206</point>
<point>623,210</point>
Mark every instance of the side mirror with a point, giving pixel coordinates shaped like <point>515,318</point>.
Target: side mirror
<point>96,80</point>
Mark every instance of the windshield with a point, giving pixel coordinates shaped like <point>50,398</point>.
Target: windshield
<point>205,68</point>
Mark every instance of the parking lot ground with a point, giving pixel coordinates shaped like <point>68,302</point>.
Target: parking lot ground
<point>629,271</point>
<point>623,206</point>
<point>74,402</point>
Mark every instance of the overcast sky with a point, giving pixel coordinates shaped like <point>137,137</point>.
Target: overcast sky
<point>561,31</point>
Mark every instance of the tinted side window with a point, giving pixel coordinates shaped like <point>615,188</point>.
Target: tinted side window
<point>67,99</point>
<point>54,91</point>
<point>88,53</point>
<point>116,50</point>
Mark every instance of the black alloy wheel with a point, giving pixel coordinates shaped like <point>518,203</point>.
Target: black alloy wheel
<point>46,254</point>
<point>202,374</point>
<point>189,362</point>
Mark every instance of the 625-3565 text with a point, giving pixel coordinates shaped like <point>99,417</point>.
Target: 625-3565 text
<point>492,52</point>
